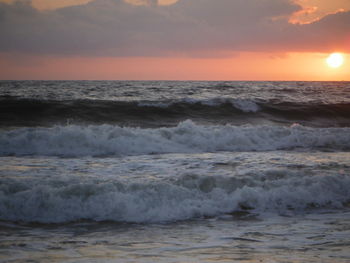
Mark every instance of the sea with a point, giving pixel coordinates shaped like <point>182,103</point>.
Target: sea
<point>174,171</point>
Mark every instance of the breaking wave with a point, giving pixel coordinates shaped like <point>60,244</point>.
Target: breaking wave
<point>187,137</point>
<point>181,198</point>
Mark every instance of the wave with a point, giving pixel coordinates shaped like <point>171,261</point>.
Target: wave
<point>187,137</point>
<point>243,105</point>
<point>185,197</point>
<point>26,112</point>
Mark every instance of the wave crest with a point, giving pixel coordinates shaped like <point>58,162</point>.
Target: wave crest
<point>181,198</point>
<point>187,137</point>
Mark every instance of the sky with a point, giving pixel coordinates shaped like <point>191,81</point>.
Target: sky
<point>174,39</point>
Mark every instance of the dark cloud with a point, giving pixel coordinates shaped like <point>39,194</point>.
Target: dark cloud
<point>330,33</point>
<point>189,27</point>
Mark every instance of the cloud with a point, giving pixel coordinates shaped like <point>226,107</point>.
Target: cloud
<point>51,4</point>
<point>330,33</point>
<point>314,10</point>
<point>188,28</point>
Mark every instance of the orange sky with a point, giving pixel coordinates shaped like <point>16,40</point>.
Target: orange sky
<point>283,64</point>
<point>245,66</point>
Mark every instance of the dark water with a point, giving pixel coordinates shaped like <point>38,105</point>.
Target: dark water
<point>157,104</point>
<point>117,171</point>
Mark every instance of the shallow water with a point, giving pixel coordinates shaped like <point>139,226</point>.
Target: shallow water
<point>308,237</point>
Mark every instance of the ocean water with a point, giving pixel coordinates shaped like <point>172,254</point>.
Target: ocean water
<point>134,171</point>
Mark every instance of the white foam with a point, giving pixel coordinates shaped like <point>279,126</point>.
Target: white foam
<point>184,197</point>
<point>187,137</point>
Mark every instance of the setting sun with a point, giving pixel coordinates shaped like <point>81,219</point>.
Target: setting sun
<point>335,60</point>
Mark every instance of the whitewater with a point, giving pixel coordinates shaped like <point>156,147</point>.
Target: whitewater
<point>166,171</point>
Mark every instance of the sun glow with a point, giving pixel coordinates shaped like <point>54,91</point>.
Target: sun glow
<point>335,60</point>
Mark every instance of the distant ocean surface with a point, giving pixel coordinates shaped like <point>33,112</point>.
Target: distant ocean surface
<point>174,171</point>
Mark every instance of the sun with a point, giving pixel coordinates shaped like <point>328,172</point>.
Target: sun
<point>335,60</point>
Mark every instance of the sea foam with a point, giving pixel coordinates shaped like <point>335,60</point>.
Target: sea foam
<point>187,137</point>
<point>188,196</point>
